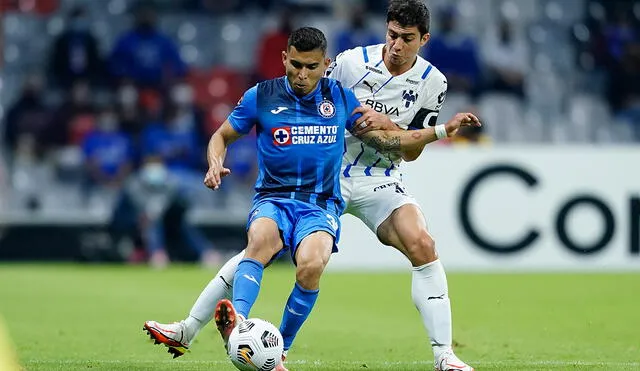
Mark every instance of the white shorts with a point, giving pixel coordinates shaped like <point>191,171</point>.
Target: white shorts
<point>372,199</point>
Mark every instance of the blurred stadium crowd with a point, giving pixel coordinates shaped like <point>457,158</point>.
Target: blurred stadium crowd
<point>104,100</point>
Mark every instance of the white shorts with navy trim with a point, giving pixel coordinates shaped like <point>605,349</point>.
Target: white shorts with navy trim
<point>372,199</point>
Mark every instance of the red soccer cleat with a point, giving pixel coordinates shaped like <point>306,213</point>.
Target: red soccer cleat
<point>226,319</point>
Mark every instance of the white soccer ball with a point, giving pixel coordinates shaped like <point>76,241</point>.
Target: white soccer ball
<point>255,345</point>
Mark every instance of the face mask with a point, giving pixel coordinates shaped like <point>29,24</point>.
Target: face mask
<point>154,174</point>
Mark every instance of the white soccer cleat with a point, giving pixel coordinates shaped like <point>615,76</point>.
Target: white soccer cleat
<point>172,335</point>
<point>449,362</point>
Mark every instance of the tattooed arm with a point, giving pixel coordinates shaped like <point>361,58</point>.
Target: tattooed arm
<point>410,143</point>
<point>404,142</point>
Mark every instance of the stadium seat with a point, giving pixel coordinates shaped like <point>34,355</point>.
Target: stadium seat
<point>587,112</point>
<point>560,131</point>
<point>520,11</point>
<point>535,128</point>
<point>217,85</point>
<point>622,131</point>
<point>563,11</point>
<point>503,115</point>
<point>454,103</point>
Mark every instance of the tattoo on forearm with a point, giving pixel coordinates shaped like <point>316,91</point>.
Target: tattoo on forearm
<point>385,145</point>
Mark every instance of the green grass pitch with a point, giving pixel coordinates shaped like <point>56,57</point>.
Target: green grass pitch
<point>72,317</point>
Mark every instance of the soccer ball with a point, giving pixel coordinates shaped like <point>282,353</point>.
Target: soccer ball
<point>255,345</point>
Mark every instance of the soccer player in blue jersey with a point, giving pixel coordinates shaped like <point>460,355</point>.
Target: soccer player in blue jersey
<point>300,119</point>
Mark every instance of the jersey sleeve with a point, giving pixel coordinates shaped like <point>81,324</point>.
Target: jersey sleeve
<point>352,103</point>
<point>427,115</point>
<point>245,114</point>
<point>336,67</point>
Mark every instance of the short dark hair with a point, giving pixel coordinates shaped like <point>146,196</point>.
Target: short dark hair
<point>306,39</point>
<point>409,13</point>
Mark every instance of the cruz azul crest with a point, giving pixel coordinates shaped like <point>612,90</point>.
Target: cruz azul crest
<point>326,109</point>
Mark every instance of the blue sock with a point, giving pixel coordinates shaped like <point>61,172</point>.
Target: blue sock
<point>246,285</point>
<point>298,307</point>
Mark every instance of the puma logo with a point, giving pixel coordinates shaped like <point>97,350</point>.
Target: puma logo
<point>369,85</point>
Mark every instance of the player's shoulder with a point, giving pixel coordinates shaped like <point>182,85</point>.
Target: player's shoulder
<point>429,72</point>
<point>331,85</point>
<point>361,54</point>
<point>268,87</point>
<point>278,82</point>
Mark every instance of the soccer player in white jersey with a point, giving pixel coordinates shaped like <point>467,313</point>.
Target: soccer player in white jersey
<point>405,91</point>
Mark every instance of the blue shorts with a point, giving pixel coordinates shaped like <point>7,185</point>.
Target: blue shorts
<point>296,220</point>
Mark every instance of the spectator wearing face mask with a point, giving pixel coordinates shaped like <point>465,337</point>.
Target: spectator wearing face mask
<point>174,140</point>
<point>108,153</point>
<point>145,55</point>
<point>153,204</point>
<point>75,53</point>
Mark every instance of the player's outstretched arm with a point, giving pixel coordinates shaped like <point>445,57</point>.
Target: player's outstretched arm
<point>216,152</point>
<point>410,143</point>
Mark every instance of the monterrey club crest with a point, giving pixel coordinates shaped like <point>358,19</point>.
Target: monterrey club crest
<point>281,136</point>
<point>327,109</point>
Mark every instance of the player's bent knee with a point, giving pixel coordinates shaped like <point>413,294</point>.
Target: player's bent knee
<point>263,246</point>
<point>309,271</point>
<point>422,249</point>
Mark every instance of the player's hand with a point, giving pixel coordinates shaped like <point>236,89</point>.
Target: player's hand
<point>461,120</point>
<point>214,175</point>
<point>371,120</point>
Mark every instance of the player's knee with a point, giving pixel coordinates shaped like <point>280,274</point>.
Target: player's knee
<point>309,271</point>
<point>422,249</point>
<point>263,244</point>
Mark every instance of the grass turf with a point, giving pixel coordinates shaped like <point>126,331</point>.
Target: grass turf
<point>79,317</point>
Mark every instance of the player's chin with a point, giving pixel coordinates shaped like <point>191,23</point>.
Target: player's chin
<point>300,89</point>
<point>398,61</point>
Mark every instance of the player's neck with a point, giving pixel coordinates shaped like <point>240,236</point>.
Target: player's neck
<point>393,69</point>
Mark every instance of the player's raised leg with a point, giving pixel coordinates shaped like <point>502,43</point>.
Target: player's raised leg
<point>220,287</point>
<point>264,243</point>
<point>406,230</point>
<point>179,336</point>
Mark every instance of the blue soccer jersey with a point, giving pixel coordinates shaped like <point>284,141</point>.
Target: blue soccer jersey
<point>300,139</point>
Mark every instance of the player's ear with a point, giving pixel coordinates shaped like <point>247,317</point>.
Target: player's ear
<point>425,38</point>
<point>284,58</point>
<point>327,62</point>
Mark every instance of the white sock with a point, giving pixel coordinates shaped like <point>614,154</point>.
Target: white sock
<point>431,296</point>
<point>220,287</point>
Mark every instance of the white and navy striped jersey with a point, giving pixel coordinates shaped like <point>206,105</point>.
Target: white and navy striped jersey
<point>411,100</point>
